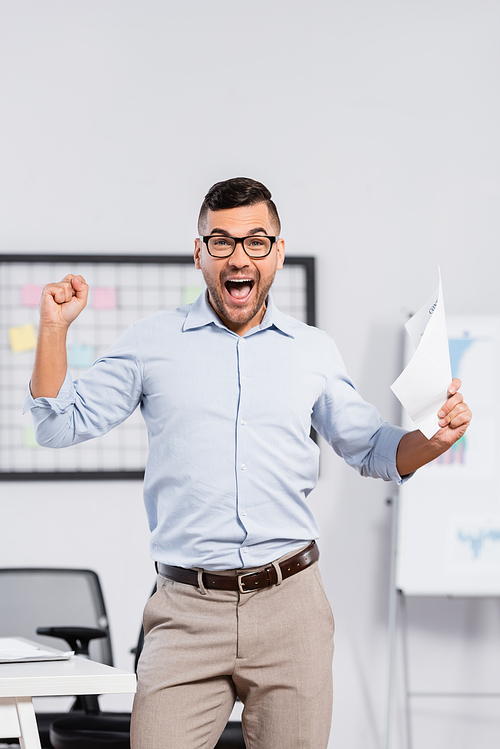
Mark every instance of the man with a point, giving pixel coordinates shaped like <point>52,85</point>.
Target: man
<point>229,388</point>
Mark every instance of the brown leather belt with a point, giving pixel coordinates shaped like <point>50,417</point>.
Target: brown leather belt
<point>247,581</point>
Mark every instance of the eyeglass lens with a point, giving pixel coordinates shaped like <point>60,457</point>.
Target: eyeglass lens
<point>254,246</point>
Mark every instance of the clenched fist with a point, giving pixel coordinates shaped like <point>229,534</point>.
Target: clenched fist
<point>62,302</point>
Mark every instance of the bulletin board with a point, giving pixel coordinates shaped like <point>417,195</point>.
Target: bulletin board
<point>449,512</point>
<point>123,289</point>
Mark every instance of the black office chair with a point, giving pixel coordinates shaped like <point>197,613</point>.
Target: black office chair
<point>96,730</point>
<point>93,733</point>
<point>31,597</point>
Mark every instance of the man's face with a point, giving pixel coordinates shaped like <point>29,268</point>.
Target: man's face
<point>240,305</point>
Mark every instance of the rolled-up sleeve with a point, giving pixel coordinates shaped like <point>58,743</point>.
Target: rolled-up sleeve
<point>94,403</point>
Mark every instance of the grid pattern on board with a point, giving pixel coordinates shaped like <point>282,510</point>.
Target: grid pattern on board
<point>122,290</point>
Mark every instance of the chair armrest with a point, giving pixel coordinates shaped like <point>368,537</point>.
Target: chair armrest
<point>78,638</point>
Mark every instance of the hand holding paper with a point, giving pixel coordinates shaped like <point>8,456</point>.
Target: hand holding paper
<point>427,392</point>
<point>422,387</point>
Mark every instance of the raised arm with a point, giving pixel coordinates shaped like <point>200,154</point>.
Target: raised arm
<point>61,303</point>
<point>415,450</point>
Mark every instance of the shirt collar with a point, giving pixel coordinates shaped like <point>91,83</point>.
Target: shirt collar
<point>201,314</point>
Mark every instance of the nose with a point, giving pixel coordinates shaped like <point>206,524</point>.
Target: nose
<point>239,256</point>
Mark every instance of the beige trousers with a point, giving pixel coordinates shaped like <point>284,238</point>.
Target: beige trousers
<point>272,648</point>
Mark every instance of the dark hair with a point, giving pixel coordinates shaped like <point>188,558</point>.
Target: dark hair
<point>236,192</point>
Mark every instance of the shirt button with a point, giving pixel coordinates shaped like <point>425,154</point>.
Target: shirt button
<point>243,512</point>
<point>243,466</point>
<point>245,550</point>
<point>243,422</point>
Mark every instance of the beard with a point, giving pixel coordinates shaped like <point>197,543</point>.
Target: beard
<point>235,314</point>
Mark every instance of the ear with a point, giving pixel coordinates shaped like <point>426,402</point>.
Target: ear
<point>280,253</point>
<point>197,253</point>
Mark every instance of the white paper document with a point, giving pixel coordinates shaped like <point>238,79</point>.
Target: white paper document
<point>19,650</point>
<point>422,387</point>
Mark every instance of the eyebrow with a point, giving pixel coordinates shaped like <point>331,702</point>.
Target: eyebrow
<point>258,230</point>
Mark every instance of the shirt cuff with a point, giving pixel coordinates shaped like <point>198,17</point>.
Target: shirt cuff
<point>65,398</point>
<point>387,448</point>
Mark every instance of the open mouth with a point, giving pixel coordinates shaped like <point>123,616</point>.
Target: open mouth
<point>239,289</point>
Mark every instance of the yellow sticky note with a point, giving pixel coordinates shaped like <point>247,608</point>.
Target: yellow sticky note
<point>22,338</point>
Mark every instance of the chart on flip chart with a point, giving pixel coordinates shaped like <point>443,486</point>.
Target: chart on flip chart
<point>449,517</point>
<point>123,289</point>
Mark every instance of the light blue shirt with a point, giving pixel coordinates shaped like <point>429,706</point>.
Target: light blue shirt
<point>231,462</point>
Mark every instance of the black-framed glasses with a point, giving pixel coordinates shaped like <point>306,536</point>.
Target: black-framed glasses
<point>255,246</point>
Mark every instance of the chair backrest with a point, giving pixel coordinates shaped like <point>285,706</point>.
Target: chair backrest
<point>53,597</point>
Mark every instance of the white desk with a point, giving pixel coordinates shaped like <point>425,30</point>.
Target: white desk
<point>19,682</point>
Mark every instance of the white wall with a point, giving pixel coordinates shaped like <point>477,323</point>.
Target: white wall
<point>375,124</point>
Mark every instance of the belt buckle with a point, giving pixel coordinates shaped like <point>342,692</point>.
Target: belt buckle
<point>240,584</point>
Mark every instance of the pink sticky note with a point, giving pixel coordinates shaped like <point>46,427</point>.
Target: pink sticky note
<point>104,297</point>
<point>30,295</point>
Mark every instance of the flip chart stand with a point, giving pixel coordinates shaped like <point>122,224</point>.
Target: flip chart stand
<point>398,605</point>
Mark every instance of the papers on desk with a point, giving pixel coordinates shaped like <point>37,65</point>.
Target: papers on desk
<point>19,650</point>
<point>422,388</point>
